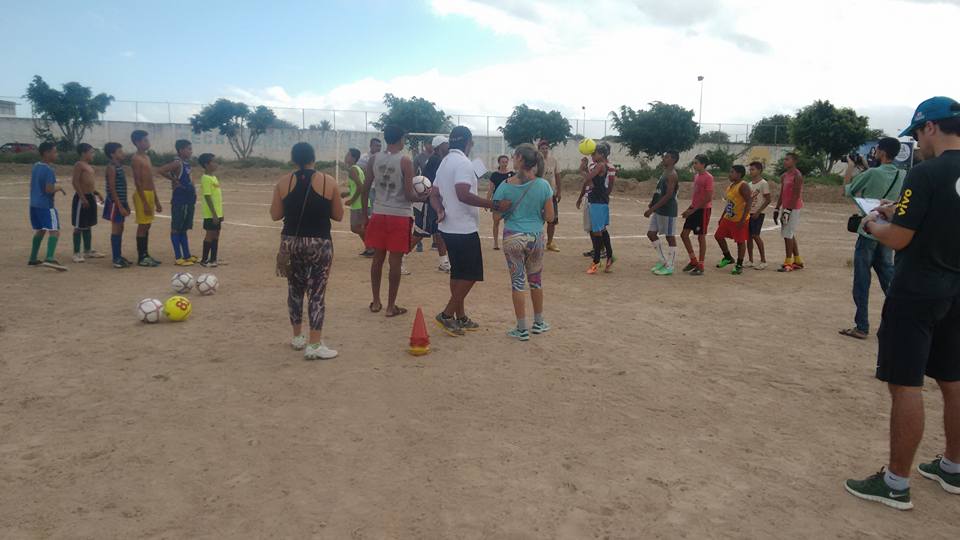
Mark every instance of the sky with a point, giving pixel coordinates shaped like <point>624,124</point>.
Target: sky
<point>587,57</point>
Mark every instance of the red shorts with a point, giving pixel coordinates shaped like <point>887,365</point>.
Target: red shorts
<point>389,233</point>
<point>737,232</point>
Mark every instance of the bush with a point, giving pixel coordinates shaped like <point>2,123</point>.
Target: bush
<point>646,172</point>
<point>809,165</point>
<point>260,162</point>
<point>22,157</point>
<point>720,160</point>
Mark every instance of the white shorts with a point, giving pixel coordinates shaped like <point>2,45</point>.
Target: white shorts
<point>586,218</point>
<point>665,225</point>
<point>788,228</point>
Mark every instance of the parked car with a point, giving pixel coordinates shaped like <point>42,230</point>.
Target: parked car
<point>17,148</point>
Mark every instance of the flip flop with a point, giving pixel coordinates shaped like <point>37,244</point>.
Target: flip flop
<point>375,309</point>
<point>397,310</point>
<point>854,333</point>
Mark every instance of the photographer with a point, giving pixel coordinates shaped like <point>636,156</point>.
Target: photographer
<point>881,182</point>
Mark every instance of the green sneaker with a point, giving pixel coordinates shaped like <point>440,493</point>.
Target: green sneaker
<point>874,488</point>
<point>950,482</point>
<point>522,335</point>
<point>724,262</point>
<point>659,266</point>
<point>737,270</point>
<point>664,271</point>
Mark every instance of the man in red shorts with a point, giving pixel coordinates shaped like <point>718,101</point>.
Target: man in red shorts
<point>388,230</point>
<point>734,223</point>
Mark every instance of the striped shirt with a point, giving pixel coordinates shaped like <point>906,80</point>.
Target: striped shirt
<point>121,184</point>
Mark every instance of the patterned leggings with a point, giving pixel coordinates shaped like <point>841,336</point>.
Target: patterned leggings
<point>310,260</point>
<point>524,253</point>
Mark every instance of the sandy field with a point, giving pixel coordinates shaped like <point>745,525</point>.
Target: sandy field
<point>680,407</point>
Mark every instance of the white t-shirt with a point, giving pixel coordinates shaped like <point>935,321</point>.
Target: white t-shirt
<point>460,218</point>
<point>757,192</point>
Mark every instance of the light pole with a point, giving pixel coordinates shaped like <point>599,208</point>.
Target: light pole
<point>583,127</point>
<point>700,113</point>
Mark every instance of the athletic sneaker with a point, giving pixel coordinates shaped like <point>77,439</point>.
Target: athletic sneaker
<point>540,327</point>
<point>449,325</point>
<point>658,267</point>
<point>467,324</point>
<point>761,266</point>
<point>748,264</point>
<point>193,258</point>
<point>690,266</point>
<point>299,342</point>
<point>93,254</point>
<point>552,246</point>
<point>319,351</point>
<point>121,263</point>
<point>55,264</point>
<point>367,253</point>
<point>874,488</point>
<point>127,261</point>
<point>34,263</point>
<point>737,270</point>
<point>403,267</point>
<point>609,267</point>
<point>183,262</point>
<point>420,247</point>
<point>724,262</point>
<point>522,335</point>
<point>148,261</point>
<point>589,253</point>
<point>664,271</point>
<point>78,258</point>
<point>696,271</point>
<point>444,267</point>
<point>594,267</point>
<point>785,268</point>
<point>950,482</point>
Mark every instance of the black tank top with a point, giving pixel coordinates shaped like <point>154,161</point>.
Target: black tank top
<point>315,220</point>
<point>599,194</point>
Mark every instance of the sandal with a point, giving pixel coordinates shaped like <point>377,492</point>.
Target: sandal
<point>397,311</point>
<point>375,309</point>
<point>854,333</point>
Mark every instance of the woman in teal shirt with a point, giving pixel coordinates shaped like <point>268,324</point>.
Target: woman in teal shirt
<point>531,200</point>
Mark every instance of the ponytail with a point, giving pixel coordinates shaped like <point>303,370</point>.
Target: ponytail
<point>532,159</point>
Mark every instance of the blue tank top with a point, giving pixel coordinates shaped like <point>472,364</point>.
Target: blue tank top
<point>184,191</point>
<point>121,181</point>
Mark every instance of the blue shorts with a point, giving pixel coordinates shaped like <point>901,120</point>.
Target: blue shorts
<point>599,216</point>
<point>44,219</point>
<point>111,211</point>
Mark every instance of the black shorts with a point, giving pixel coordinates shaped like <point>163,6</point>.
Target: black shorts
<point>466,256</point>
<point>424,221</point>
<point>556,211</point>
<point>209,225</point>
<point>756,224</point>
<point>181,217</point>
<point>698,221</point>
<point>80,217</point>
<point>919,337</point>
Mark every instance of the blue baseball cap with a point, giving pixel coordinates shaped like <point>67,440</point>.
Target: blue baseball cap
<point>935,108</point>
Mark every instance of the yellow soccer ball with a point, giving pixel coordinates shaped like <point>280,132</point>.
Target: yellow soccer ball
<point>588,147</point>
<point>177,308</point>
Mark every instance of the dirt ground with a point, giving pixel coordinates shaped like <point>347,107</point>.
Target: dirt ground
<point>680,407</point>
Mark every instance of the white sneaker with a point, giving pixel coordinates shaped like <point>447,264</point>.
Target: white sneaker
<point>748,264</point>
<point>299,343</point>
<point>93,254</point>
<point>444,267</point>
<point>319,351</point>
<point>78,258</point>
<point>761,266</point>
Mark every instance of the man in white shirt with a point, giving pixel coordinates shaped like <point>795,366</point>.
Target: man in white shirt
<point>455,199</point>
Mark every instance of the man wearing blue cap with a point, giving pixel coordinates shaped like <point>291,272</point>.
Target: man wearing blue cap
<point>920,326</point>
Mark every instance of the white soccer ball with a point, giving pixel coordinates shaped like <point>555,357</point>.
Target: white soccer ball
<point>182,282</point>
<point>149,310</point>
<point>207,284</point>
<point>421,184</point>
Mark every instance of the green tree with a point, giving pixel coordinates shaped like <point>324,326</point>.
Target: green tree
<point>720,159</point>
<point>772,130</point>
<point>280,123</point>
<point>526,125</point>
<point>720,137</point>
<point>653,132</point>
<point>323,127</point>
<point>414,115</point>
<point>240,124</point>
<point>875,134</point>
<point>73,110</point>
<point>822,128</point>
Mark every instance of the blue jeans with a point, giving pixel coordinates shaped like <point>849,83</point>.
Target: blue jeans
<point>869,254</point>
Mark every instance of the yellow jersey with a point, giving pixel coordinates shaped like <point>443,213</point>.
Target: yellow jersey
<point>737,205</point>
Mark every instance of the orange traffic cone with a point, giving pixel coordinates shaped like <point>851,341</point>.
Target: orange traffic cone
<point>419,339</point>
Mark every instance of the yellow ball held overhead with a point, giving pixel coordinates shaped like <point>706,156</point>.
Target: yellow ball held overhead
<point>587,147</point>
<point>177,308</point>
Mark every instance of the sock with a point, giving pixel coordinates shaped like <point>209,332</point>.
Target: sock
<point>597,246</point>
<point>206,251</point>
<point>949,467</point>
<point>146,243</point>
<point>35,247</point>
<point>658,248</point>
<point>521,324</point>
<point>739,261</point>
<point>185,245</point>
<point>671,256</point>
<point>141,247</point>
<point>214,247</point>
<point>76,241</point>
<point>893,481</point>
<point>607,244</point>
<point>87,240</point>
<point>788,261</point>
<point>51,246</point>
<point>115,242</point>
<point>445,259</point>
<point>175,240</point>
<point>538,318</point>
<point>798,260</point>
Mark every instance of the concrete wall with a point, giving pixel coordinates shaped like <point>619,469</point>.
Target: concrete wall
<point>330,146</point>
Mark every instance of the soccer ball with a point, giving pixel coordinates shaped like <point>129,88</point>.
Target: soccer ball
<point>182,282</point>
<point>177,308</point>
<point>207,284</point>
<point>421,184</point>
<point>148,310</point>
<point>587,147</point>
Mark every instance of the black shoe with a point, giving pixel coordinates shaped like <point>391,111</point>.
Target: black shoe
<point>34,263</point>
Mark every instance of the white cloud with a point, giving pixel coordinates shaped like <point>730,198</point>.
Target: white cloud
<point>758,57</point>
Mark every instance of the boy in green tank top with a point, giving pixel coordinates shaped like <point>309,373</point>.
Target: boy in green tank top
<point>355,180</point>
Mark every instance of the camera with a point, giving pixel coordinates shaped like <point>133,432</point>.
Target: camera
<point>855,158</point>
